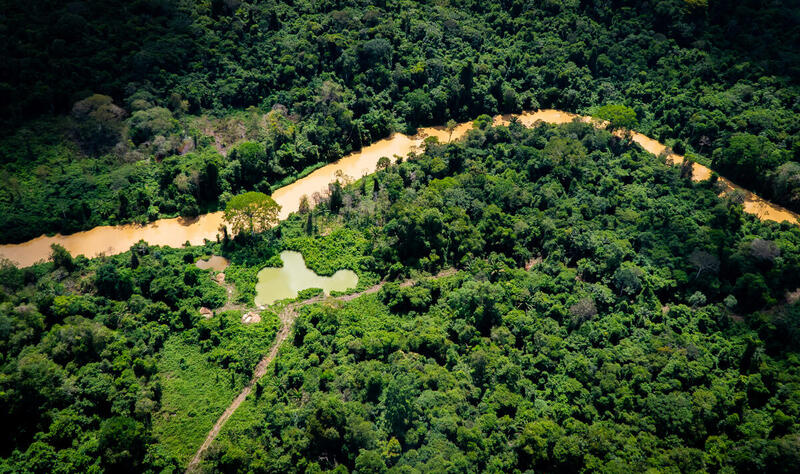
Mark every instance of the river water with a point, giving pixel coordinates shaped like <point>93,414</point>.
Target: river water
<point>109,240</point>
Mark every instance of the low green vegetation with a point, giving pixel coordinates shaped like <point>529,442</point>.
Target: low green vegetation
<point>194,394</point>
<point>309,293</point>
<point>653,330</point>
<point>655,327</point>
<point>244,279</point>
<point>201,373</point>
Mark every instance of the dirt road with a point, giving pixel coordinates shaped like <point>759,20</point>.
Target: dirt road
<point>287,317</point>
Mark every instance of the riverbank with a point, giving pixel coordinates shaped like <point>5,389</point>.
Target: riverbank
<point>110,240</point>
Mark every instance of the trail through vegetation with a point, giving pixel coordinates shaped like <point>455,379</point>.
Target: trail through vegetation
<point>609,314</point>
<point>287,317</point>
<point>612,311</point>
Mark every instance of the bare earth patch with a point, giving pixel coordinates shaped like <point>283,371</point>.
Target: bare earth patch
<point>251,318</point>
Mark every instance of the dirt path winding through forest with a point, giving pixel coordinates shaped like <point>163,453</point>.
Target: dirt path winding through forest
<point>111,240</point>
<point>287,317</point>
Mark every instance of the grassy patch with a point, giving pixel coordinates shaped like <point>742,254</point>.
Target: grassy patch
<point>195,393</point>
<point>292,178</point>
<point>198,386</point>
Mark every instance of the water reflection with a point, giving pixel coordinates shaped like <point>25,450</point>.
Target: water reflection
<point>285,282</point>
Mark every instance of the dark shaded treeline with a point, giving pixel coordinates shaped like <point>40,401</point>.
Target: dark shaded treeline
<point>717,80</point>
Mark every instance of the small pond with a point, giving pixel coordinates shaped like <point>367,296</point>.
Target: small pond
<point>279,283</point>
<point>215,263</point>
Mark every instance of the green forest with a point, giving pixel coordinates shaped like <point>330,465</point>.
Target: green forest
<point>656,327</point>
<point>543,299</point>
<point>129,111</point>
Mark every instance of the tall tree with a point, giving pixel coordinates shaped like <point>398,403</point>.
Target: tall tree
<point>251,212</point>
<point>618,116</point>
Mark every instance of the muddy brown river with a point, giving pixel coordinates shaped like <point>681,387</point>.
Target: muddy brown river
<point>109,240</point>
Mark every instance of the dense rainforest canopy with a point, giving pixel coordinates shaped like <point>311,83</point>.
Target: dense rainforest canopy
<point>607,315</point>
<point>127,111</point>
<point>544,299</point>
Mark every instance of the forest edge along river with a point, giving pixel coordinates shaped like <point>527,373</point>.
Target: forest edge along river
<point>175,232</point>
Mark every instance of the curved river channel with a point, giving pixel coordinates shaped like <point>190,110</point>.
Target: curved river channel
<point>109,240</point>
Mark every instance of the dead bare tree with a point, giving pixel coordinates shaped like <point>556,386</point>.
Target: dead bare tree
<point>687,168</point>
<point>736,196</point>
<point>583,310</point>
<point>304,205</point>
<point>764,249</point>
<point>704,261</point>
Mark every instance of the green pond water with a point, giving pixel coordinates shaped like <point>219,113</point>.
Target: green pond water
<point>285,282</point>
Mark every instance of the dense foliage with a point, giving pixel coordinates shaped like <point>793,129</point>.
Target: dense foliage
<point>651,331</point>
<point>278,87</point>
<point>82,383</point>
<point>607,315</point>
<point>590,309</point>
